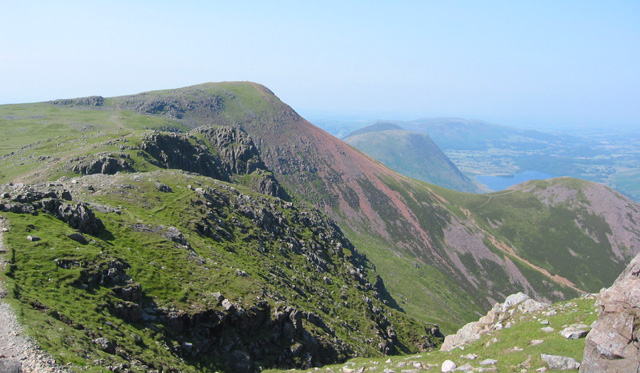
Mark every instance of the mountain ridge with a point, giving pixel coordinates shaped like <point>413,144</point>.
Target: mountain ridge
<point>437,251</point>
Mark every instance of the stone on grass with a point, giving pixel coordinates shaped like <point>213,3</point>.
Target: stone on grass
<point>33,238</point>
<point>228,305</point>
<point>575,331</point>
<point>105,345</point>
<point>560,362</point>
<point>465,368</point>
<point>448,366</point>
<point>489,362</point>
<point>78,237</point>
<point>547,329</point>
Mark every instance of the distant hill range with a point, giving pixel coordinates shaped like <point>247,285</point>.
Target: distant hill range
<point>221,209</point>
<point>410,153</point>
<point>608,155</point>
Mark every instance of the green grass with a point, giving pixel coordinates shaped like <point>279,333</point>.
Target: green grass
<point>66,316</point>
<point>26,124</point>
<point>527,327</point>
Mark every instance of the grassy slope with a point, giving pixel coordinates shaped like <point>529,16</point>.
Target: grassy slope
<point>312,175</point>
<point>548,236</point>
<point>65,318</point>
<point>28,123</point>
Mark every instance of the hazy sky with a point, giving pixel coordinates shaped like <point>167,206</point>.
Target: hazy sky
<point>512,62</point>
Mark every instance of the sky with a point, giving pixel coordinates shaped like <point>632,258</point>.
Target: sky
<point>545,63</point>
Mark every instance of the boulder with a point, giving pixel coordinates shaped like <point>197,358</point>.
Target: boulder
<point>465,368</point>
<point>575,331</point>
<point>613,343</point>
<point>560,362</point>
<point>78,237</point>
<point>489,362</point>
<point>493,320</point>
<point>105,345</point>
<point>448,366</point>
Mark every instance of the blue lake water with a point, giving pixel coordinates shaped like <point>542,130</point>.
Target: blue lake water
<point>503,182</point>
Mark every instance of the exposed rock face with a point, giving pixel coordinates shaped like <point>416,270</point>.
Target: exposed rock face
<point>235,148</point>
<point>236,154</point>
<point>172,150</point>
<point>497,318</point>
<point>240,156</point>
<point>613,343</point>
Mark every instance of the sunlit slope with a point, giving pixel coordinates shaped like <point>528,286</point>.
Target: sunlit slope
<point>445,256</point>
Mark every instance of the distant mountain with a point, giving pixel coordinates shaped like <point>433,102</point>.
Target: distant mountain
<point>465,134</point>
<point>307,218</point>
<point>376,127</point>
<point>410,153</point>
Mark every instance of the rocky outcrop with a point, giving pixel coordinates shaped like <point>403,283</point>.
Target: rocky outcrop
<point>83,101</point>
<point>235,155</point>
<point>26,199</point>
<point>173,150</point>
<point>497,318</point>
<point>234,147</point>
<point>240,156</point>
<point>613,343</point>
<point>175,107</point>
<point>101,163</point>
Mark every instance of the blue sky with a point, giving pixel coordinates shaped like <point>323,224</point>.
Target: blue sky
<point>511,62</point>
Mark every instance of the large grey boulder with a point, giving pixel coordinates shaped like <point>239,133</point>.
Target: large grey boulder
<point>613,343</point>
<point>500,314</point>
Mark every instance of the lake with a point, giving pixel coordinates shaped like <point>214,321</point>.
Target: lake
<point>503,182</point>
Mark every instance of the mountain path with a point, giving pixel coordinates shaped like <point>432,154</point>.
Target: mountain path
<point>500,245</point>
<point>495,195</point>
<point>18,351</point>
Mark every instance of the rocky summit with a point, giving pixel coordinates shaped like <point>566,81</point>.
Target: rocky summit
<point>211,228</point>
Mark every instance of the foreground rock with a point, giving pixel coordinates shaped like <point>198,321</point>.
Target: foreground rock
<point>560,362</point>
<point>612,345</point>
<point>497,318</point>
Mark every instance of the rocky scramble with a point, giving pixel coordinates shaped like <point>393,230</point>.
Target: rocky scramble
<point>18,352</point>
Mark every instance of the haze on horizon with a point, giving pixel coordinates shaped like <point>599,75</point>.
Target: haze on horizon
<point>546,63</point>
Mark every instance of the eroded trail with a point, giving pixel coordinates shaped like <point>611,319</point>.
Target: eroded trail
<point>18,351</point>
